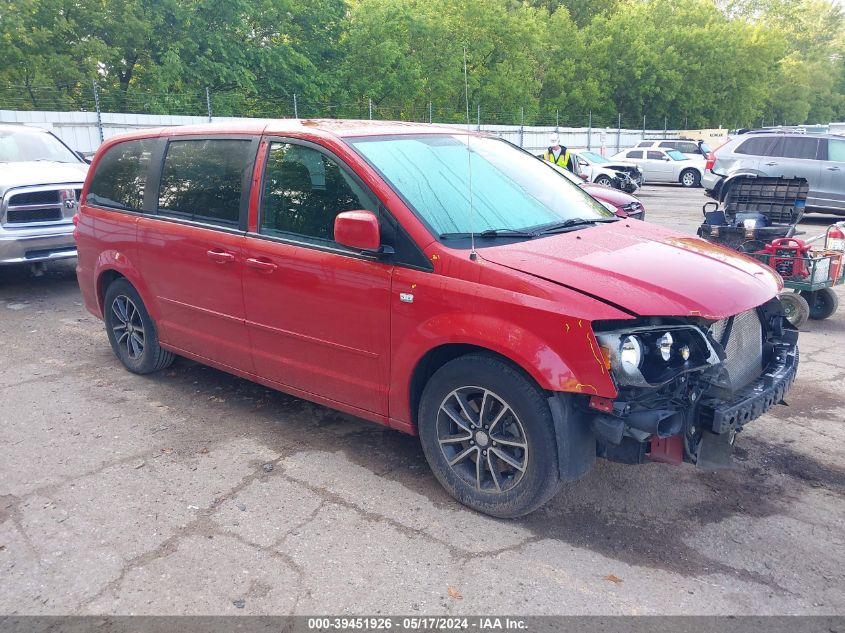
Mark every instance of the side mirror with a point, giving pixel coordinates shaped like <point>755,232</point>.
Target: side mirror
<point>666,158</point>
<point>357,230</point>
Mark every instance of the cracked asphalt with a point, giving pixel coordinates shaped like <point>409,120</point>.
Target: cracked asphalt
<point>194,492</point>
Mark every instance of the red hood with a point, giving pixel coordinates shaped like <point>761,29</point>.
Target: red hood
<point>647,270</point>
<point>613,196</point>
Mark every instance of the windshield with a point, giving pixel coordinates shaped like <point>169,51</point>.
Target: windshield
<point>705,148</point>
<point>511,190</point>
<point>675,154</point>
<point>26,145</point>
<point>594,158</point>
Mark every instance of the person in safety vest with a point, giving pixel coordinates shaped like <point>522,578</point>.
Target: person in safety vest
<point>558,154</point>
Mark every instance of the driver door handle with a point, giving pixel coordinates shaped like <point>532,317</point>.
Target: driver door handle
<point>264,265</point>
<point>770,164</point>
<point>833,168</point>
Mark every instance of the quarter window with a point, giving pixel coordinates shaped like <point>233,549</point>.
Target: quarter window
<point>634,155</point>
<point>203,180</point>
<point>304,191</point>
<point>836,150</point>
<point>758,146</point>
<point>121,177</point>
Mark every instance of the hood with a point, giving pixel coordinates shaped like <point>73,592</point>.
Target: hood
<point>620,164</point>
<point>613,196</point>
<point>647,270</point>
<point>40,173</point>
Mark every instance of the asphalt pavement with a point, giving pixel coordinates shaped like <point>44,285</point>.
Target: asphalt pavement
<point>194,492</point>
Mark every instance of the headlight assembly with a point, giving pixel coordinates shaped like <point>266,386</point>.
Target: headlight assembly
<point>653,355</point>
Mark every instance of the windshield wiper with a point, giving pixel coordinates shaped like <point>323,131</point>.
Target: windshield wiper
<point>572,223</point>
<point>491,233</point>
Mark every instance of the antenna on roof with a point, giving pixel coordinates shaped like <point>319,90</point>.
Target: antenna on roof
<point>472,254</point>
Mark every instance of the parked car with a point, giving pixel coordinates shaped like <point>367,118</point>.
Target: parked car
<point>694,150</point>
<point>512,322</point>
<point>40,182</point>
<point>626,176</point>
<point>659,165</point>
<point>820,158</point>
<point>622,204</point>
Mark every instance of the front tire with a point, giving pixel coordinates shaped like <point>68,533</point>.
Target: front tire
<point>488,436</point>
<point>131,331</point>
<point>604,181</point>
<point>690,178</point>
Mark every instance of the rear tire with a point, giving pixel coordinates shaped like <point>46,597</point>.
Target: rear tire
<point>823,303</point>
<point>690,178</point>
<point>795,307</point>
<point>488,436</point>
<point>131,331</point>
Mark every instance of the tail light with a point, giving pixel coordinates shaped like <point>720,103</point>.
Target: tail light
<point>711,160</point>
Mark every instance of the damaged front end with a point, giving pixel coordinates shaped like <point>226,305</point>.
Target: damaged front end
<point>686,387</point>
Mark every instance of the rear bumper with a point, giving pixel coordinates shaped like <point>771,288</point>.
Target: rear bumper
<point>711,183</point>
<point>19,247</point>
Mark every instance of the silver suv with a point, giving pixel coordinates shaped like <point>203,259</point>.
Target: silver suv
<point>820,158</point>
<point>40,182</point>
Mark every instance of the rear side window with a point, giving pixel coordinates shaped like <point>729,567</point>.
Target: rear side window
<point>797,147</point>
<point>644,144</point>
<point>757,146</point>
<point>682,146</point>
<point>634,155</point>
<point>203,180</point>
<point>121,177</point>
<point>304,190</point>
<point>655,155</point>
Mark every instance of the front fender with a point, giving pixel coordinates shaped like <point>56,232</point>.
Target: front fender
<point>566,359</point>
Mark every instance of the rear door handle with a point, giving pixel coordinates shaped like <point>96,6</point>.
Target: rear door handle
<point>221,257</point>
<point>770,164</point>
<point>263,265</point>
<point>833,168</point>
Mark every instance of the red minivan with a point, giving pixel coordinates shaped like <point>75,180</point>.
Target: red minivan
<point>439,282</point>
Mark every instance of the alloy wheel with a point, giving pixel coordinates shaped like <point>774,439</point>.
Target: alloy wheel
<point>482,439</point>
<point>129,329</point>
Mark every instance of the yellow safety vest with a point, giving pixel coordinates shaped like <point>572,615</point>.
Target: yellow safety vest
<point>562,160</point>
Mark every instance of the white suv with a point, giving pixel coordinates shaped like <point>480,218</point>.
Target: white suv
<point>695,150</point>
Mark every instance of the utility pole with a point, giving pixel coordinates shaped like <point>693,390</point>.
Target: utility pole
<point>557,121</point>
<point>370,101</point>
<point>521,125</point>
<point>643,127</point>
<point>590,132</point>
<point>208,102</point>
<point>97,106</point>
<point>295,107</point>
<point>618,131</point>
<point>429,112</point>
<point>478,117</point>
<point>665,126</point>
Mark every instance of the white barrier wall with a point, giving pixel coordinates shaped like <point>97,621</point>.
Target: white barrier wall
<point>80,131</point>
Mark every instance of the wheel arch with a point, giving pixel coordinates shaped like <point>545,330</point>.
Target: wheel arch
<point>437,357</point>
<point>112,265</point>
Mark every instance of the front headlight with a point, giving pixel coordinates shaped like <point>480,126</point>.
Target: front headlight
<point>631,351</point>
<point>653,355</point>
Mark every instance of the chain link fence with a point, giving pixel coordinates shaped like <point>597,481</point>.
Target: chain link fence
<point>528,127</point>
